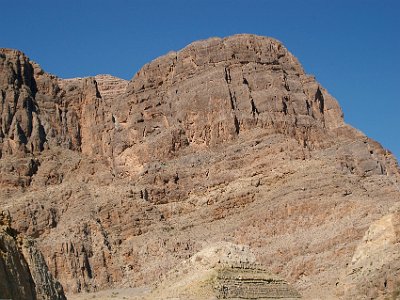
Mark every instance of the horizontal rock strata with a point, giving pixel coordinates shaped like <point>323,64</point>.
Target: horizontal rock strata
<point>222,271</point>
<point>225,140</point>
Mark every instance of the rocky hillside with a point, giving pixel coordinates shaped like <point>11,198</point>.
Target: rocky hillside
<point>225,140</point>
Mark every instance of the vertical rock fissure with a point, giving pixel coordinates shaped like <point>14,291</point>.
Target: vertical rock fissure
<point>285,106</point>
<point>309,111</point>
<point>232,98</point>
<point>254,109</point>
<point>319,97</point>
<point>237,124</point>
<point>228,78</point>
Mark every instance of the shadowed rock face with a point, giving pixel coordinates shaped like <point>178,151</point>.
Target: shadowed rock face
<point>23,270</point>
<point>226,139</point>
<point>39,111</point>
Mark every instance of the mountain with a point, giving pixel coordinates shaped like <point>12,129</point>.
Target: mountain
<point>225,140</point>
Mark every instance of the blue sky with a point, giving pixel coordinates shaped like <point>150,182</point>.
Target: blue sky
<point>352,47</point>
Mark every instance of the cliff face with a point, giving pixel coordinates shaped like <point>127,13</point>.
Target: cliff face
<point>227,139</point>
<point>40,111</point>
<point>23,271</point>
<point>213,91</point>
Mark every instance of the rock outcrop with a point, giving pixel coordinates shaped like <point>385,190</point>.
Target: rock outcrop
<point>110,87</point>
<point>222,271</point>
<point>40,111</point>
<point>23,271</point>
<point>374,271</point>
<point>225,140</point>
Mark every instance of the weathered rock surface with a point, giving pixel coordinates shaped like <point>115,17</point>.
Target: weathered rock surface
<point>222,271</point>
<point>110,87</point>
<point>374,271</point>
<point>23,271</point>
<point>225,140</point>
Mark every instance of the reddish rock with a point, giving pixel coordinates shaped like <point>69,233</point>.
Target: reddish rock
<point>23,271</point>
<point>225,140</point>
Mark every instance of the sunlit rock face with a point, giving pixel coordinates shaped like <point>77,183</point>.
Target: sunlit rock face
<point>225,140</point>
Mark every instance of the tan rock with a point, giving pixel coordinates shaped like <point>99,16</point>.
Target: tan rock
<point>374,271</point>
<point>222,271</point>
<point>225,140</point>
<point>23,271</point>
<point>110,87</point>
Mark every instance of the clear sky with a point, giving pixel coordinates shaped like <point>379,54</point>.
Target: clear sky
<point>351,46</point>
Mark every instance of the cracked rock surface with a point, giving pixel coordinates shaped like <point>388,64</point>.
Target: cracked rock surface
<point>23,270</point>
<point>225,140</point>
<point>222,271</point>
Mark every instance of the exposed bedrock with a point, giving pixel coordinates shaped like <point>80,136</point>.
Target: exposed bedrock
<point>225,140</point>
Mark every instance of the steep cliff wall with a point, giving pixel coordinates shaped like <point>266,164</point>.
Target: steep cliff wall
<point>23,271</point>
<point>227,139</point>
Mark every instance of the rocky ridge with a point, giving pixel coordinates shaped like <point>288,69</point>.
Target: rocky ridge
<point>227,139</point>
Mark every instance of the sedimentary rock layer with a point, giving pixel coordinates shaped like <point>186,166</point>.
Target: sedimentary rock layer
<point>222,271</point>
<point>227,139</point>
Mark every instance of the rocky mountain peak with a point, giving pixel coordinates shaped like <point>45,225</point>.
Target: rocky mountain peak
<point>225,140</point>
<point>250,67</point>
<point>216,90</point>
